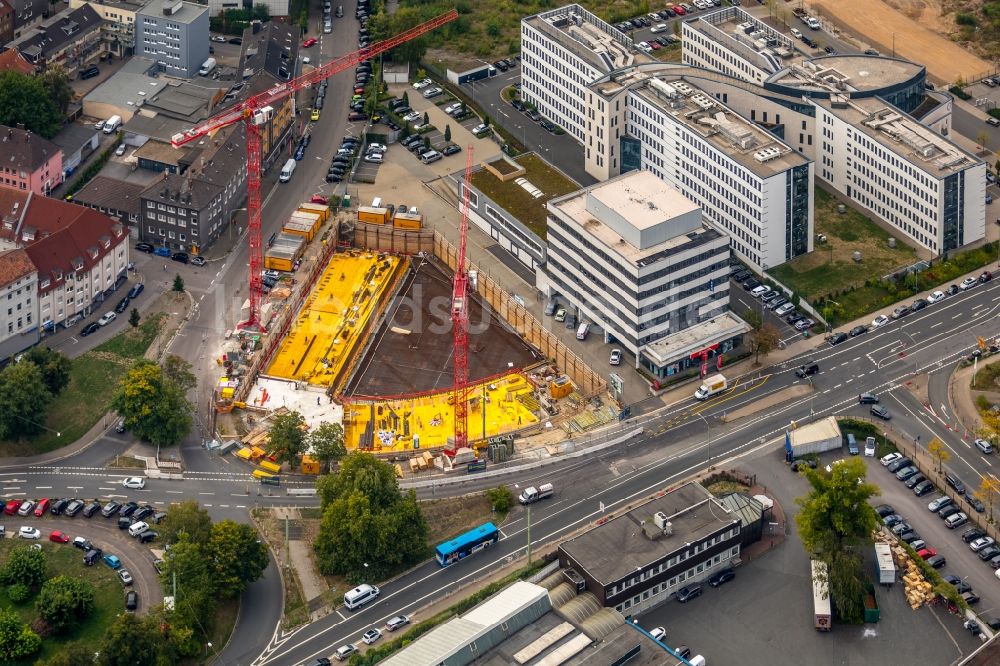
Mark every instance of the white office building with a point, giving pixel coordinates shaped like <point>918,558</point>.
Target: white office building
<point>174,34</point>
<point>562,51</point>
<point>633,257</point>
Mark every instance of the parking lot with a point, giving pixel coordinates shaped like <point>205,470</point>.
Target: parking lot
<point>766,614</point>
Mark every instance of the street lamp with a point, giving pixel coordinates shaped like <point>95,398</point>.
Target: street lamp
<point>708,428</point>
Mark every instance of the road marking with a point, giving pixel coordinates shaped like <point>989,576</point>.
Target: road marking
<point>12,487</point>
<point>985,460</point>
<point>836,387</point>
<point>826,391</point>
<point>43,487</point>
<point>857,358</point>
<point>958,315</point>
<point>937,324</point>
<point>844,363</point>
<point>206,493</point>
<point>176,492</point>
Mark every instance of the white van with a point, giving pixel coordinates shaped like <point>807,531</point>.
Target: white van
<point>137,528</point>
<point>377,202</point>
<point>112,124</point>
<point>582,331</point>
<point>430,156</point>
<point>360,596</point>
<point>287,171</point>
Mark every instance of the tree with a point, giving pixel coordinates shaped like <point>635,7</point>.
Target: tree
<point>189,567</point>
<point>131,641</point>
<point>24,566</point>
<point>988,493</point>
<point>189,518</point>
<point>406,98</point>
<point>427,142</point>
<point>238,557</point>
<point>982,139</point>
<point>57,85</point>
<point>500,498</point>
<point>24,99</point>
<point>287,438</point>
<point>154,407</point>
<point>17,640</point>
<point>371,104</point>
<point>178,371</point>
<point>447,133</point>
<point>939,452</point>
<point>54,365</point>
<point>369,528</point>
<point>24,399</point>
<point>835,523</point>
<point>427,118</point>
<point>74,654</point>
<point>326,441</point>
<point>752,318</point>
<point>486,119</point>
<point>763,340</point>
<point>133,318</point>
<point>178,284</point>
<point>64,602</point>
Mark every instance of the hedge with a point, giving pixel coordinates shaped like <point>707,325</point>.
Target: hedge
<point>95,167</point>
<point>959,93</point>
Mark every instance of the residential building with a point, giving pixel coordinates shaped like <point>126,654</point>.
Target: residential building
<point>80,255</point>
<point>270,56</point>
<point>72,39</point>
<point>188,212</point>
<point>275,8</point>
<point>118,199</point>
<point>174,34</point>
<point>6,21</point>
<point>562,51</point>
<point>29,162</point>
<point>11,59</point>
<point>633,257</point>
<point>117,23</point>
<point>28,14</point>
<point>18,303</point>
<point>636,560</point>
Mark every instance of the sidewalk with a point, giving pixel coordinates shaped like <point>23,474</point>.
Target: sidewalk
<point>961,400</point>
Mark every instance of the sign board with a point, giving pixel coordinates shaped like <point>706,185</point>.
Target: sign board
<point>617,385</point>
<point>476,466</point>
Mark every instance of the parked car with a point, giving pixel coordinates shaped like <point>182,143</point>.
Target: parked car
<point>27,532</point>
<point>134,483</point>
<point>880,321</point>
<point>890,458</point>
<point>371,636</point>
<point>107,318</point>
<point>721,577</point>
<point>689,592</point>
<point>939,503</point>
<point>397,622</point>
<point>880,412</point>
<point>58,537</point>
<point>884,510</point>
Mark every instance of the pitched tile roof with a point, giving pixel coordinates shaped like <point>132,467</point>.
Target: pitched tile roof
<point>14,264</point>
<point>24,150</point>
<point>110,193</point>
<point>13,203</point>
<point>13,60</point>
<point>68,27</point>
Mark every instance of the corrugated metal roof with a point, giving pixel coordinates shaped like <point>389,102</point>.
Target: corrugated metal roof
<point>823,429</point>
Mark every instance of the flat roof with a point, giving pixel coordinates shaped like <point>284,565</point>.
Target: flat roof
<point>185,100</point>
<point>901,134</point>
<point>186,12</point>
<point>126,90</point>
<point>587,36</point>
<point>754,148</point>
<point>644,201</point>
<point>855,72</point>
<point>520,201</point>
<point>826,428</point>
<point>684,343</point>
<point>614,550</point>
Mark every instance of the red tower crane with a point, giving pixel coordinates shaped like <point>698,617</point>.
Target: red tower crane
<point>258,110</point>
<point>460,326</point>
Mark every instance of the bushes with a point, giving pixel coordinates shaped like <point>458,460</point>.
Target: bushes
<point>96,167</point>
<point>959,93</point>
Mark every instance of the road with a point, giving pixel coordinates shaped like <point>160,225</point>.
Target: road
<point>674,443</point>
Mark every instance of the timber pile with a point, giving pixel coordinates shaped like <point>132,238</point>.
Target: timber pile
<point>918,591</point>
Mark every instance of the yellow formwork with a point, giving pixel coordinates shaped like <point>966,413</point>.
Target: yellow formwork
<point>428,421</point>
<point>325,333</point>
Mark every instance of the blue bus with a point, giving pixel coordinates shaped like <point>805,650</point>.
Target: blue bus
<point>469,543</point>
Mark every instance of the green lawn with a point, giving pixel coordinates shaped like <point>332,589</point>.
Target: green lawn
<point>93,379</point>
<point>67,560</point>
<point>830,267</point>
<point>516,200</point>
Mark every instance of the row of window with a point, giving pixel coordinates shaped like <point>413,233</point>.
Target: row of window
<point>666,588</point>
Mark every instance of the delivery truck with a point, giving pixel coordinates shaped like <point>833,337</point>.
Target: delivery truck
<point>532,494</point>
<point>821,597</point>
<point>714,384</point>
<point>823,435</point>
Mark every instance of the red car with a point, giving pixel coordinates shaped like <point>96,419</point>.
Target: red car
<point>59,537</point>
<point>309,42</point>
<point>12,506</point>
<point>318,199</point>
<point>43,506</point>
<point>927,553</point>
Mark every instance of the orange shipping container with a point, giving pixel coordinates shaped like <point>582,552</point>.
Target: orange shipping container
<point>373,215</point>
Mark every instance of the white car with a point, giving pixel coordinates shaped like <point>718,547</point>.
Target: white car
<point>935,297</point>
<point>125,577</point>
<point>782,310</point>
<point>29,533</point>
<point>880,321</point>
<point>376,148</point>
<point>371,636</point>
<point>121,150</point>
<point>889,459</point>
<point>645,47</point>
<point>395,623</point>
<point>480,130</point>
<point>978,544</point>
<point>219,38</point>
<point>968,283</point>
<point>870,448</point>
<point>374,158</point>
<point>306,60</point>
<point>107,318</point>
<point>759,291</point>
<point>411,116</point>
<point>432,92</point>
<point>452,108</point>
<point>422,83</point>
<point>658,633</point>
<point>134,483</point>
<point>796,33</point>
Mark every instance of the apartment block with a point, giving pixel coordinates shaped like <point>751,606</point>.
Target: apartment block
<point>174,34</point>
<point>29,162</point>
